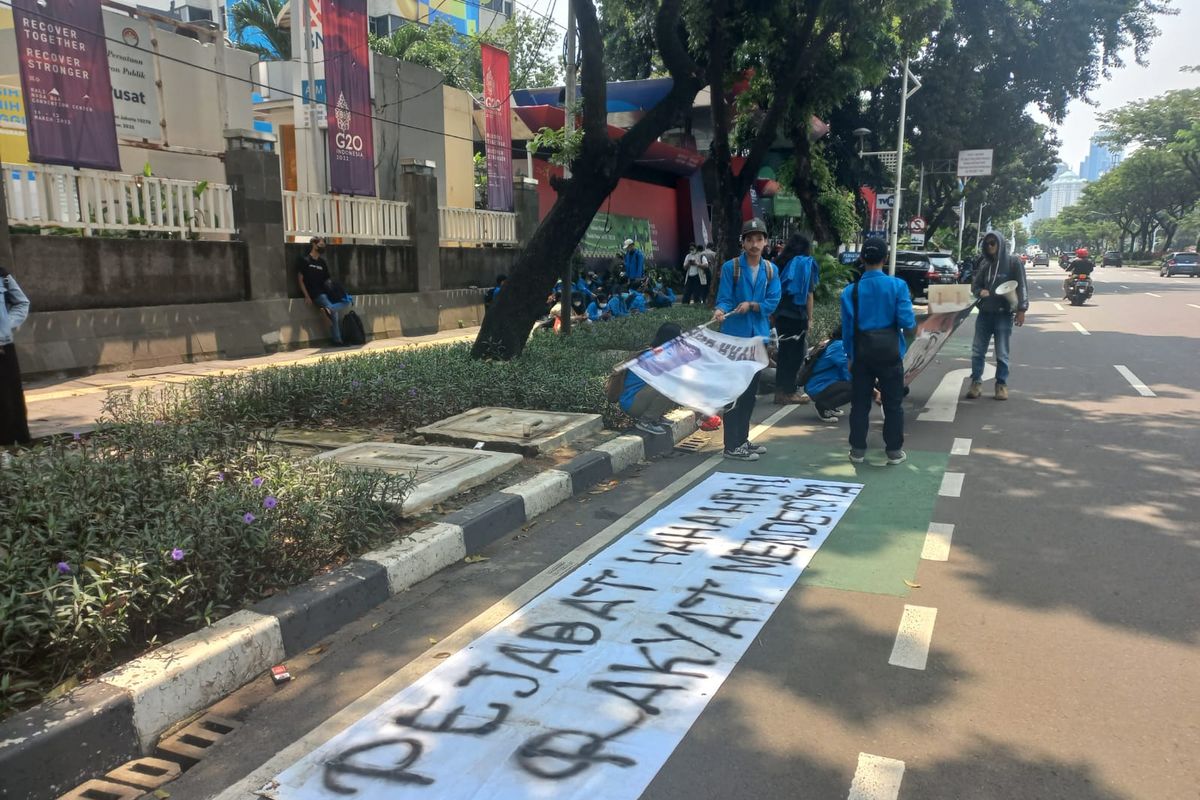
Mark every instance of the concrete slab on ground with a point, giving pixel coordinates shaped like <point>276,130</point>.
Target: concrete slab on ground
<point>440,472</point>
<point>324,439</point>
<point>514,430</point>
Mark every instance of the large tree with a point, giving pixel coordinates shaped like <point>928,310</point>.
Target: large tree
<point>595,172</point>
<point>1170,121</point>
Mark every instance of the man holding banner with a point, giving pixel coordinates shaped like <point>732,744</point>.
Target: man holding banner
<point>747,295</point>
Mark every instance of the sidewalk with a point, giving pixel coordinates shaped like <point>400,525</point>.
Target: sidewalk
<point>71,406</point>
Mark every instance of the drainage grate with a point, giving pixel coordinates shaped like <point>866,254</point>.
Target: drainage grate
<point>694,443</point>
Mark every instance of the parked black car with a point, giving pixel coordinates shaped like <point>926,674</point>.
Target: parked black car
<point>920,269</point>
<point>1112,258</point>
<point>1180,264</point>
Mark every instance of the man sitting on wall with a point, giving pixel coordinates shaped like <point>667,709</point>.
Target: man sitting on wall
<point>320,289</point>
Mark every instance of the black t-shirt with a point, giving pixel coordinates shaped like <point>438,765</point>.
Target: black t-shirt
<point>315,273</point>
<point>1082,266</point>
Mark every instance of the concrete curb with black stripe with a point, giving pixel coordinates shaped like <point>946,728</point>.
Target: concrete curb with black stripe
<point>48,750</point>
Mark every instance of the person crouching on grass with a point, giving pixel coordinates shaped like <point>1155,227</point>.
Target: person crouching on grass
<point>747,295</point>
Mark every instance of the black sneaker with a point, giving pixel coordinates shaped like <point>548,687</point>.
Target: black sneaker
<point>827,415</point>
<point>896,457</point>
<point>742,453</point>
<point>650,426</point>
<point>757,449</point>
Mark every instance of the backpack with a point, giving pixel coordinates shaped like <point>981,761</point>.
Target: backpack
<point>810,362</point>
<point>737,270</point>
<point>614,387</point>
<point>353,331</point>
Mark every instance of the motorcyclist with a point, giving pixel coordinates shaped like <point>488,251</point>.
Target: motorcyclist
<point>1081,265</point>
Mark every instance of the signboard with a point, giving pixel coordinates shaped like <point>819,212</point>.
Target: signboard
<point>316,31</point>
<point>348,98</point>
<point>497,138</point>
<point>885,202</point>
<point>66,84</point>
<point>974,163</point>
<point>607,232</point>
<point>916,239</point>
<point>131,70</point>
<point>917,225</point>
<point>587,690</point>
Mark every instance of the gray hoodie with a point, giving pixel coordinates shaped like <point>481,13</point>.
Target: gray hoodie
<point>990,274</point>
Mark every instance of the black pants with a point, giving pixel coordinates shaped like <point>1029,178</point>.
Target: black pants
<point>833,396</point>
<point>737,419</point>
<point>693,290</point>
<point>791,352</point>
<point>14,424</point>
<point>890,380</point>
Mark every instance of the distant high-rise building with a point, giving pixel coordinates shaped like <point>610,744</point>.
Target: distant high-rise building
<point>1063,190</point>
<point>1099,161</point>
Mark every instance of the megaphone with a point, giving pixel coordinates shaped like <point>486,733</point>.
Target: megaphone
<point>1008,290</point>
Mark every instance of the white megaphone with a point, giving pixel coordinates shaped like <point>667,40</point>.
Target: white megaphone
<point>1008,290</point>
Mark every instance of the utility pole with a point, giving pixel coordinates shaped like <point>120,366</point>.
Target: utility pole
<point>564,299</point>
<point>962,220</point>
<point>979,227</point>
<point>921,197</point>
<point>219,61</point>
<point>895,231</point>
<point>318,147</point>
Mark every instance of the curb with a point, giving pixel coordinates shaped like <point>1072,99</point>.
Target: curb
<point>50,749</point>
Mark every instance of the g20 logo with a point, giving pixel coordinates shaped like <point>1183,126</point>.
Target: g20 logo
<point>347,141</point>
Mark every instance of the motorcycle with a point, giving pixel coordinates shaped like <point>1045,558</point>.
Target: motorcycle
<point>1080,290</point>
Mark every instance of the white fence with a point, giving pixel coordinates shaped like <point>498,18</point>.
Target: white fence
<point>471,226</point>
<point>92,201</point>
<point>343,217</point>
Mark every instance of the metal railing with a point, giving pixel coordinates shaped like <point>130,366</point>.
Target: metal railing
<point>366,219</point>
<point>93,201</point>
<point>472,226</point>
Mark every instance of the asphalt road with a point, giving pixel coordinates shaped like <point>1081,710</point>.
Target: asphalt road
<point>1063,624</point>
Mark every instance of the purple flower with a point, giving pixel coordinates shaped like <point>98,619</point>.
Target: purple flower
<point>63,568</point>
<point>412,392</point>
<point>76,436</point>
<point>258,481</point>
<point>248,518</point>
<point>270,502</point>
<point>177,554</point>
<point>220,476</point>
<point>159,422</point>
<point>355,384</point>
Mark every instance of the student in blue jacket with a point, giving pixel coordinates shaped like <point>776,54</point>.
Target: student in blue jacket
<point>799,276</point>
<point>635,262</point>
<point>598,310</point>
<point>748,294</point>
<point>874,341</point>
<point>829,383</point>
<point>634,302</point>
<point>664,296</point>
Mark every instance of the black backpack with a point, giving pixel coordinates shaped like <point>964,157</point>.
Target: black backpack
<point>353,331</point>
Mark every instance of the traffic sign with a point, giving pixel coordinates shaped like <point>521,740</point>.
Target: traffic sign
<point>973,163</point>
<point>917,225</point>
<point>885,202</point>
<point>917,239</point>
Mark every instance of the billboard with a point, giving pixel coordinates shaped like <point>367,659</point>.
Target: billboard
<point>348,98</point>
<point>131,71</point>
<point>497,137</point>
<point>974,163</point>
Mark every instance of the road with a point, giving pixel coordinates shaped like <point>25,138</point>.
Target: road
<point>1014,613</point>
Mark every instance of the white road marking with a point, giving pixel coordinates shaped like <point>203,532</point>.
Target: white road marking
<point>1123,286</point>
<point>962,447</point>
<point>952,483</point>
<point>1134,381</point>
<point>911,649</point>
<point>1193,305</point>
<point>1081,329</point>
<point>876,778</point>
<point>1152,294</point>
<point>1058,306</point>
<point>1045,294</point>
<point>937,542</point>
<point>249,786</point>
<point>943,403</point>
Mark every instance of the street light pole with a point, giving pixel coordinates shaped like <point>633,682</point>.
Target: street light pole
<point>894,236</point>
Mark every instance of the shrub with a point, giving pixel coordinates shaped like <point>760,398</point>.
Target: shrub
<point>150,528</point>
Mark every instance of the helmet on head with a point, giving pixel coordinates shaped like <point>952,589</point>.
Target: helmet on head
<point>1082,252</point>
<point>755,225</point>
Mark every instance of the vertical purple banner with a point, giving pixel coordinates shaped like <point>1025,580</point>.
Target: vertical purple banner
<point>348,97</point>
<point>497,135</point>
<point>64,74</point>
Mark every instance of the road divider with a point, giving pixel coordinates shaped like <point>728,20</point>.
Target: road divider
<point>876,778</point>
<point>911,650</point>
<point>1134,381</point>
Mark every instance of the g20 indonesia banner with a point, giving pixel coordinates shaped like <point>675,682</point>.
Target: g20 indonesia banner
<point>497,137</point>
<point>68,92</point>
<point>348,97</point>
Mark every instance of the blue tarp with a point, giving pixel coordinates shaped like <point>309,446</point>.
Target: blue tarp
<point>622,95</point>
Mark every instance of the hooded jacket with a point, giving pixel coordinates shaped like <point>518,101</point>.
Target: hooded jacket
<point>14,307</point>
<point>989,275</point>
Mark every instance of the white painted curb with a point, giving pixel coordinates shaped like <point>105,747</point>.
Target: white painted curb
<point>683,423</point>
<point>196,671</point>
<point>543,492</point>
<point>419,555</point>
<point>624,451</point>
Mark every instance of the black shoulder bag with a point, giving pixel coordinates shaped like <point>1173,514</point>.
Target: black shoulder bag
<point>877,348</point>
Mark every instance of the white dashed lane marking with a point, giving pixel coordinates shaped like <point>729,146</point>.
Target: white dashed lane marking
<point>937,542</point>
<point>876,778</point>
<point>1135,381</point>
<point>1058,306</point>
<point>952,483</point>
<point>1193,305</point>
<point>1152,294</point>
<point>961,447</point>
<point>911,649</point>
<point>1081,329</point>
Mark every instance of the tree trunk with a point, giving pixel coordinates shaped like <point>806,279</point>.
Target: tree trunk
<point>807,192</point>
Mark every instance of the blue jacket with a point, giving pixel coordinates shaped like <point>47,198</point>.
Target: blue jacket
<point>617,306</point>
<point>799,279</point>
<point>883,301</point>
<point>830,368</point>
<point>633,385</point>
<point>594,312</point>
<point>663,298</point>
<point>14,308</point>
<point>635,264</point>
<point>634,302</point>
<point>760,290</point>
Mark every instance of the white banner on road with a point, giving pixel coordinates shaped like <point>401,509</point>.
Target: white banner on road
<point>703,370</point>
<point>587,690</point>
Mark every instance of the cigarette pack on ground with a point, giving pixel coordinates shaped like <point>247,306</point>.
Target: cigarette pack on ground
<point>280,674</point>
